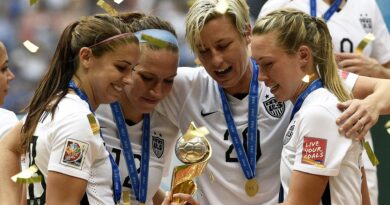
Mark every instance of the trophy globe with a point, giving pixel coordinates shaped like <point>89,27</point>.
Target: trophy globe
<point>193,150</point>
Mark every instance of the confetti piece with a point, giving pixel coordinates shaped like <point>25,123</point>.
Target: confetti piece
<point>154,41</point>
<point>107,7</point>
<point>387,126</point>
<point>32,2</point>
<point>363,43</point>
<point>306,78</point>
<point>221,6</point>
<point>30,46</point>
<point>27,176</point>
<point>118,1</point>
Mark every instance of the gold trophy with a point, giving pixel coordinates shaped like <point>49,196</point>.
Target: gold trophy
<point>194,150</point>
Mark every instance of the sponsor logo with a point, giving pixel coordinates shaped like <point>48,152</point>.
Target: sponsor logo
<point>274,108</point>
<point>157,144</point>
<point>204,114</point>
<point>314,151</point>
<point>74,153</point>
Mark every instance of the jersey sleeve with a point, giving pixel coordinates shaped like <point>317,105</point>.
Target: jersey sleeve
<point>7,120</point>
<point>75,148</point>
<point>381,44</point>
<point>348,78</point>
<point>321,149</point>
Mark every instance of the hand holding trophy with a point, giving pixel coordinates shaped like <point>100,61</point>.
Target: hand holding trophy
<point>194,150</point>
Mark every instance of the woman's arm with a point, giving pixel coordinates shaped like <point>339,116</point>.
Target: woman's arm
<point>158,198</point>
<point>301,184</point>
<point>10,192</point>
<point>64,188</point>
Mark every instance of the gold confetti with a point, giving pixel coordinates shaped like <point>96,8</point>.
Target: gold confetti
<point>118,1</point>
<point>107,7</point>
<point>92,122</point>
<point>363,43</point>
<point>126,197</point>
<point>32,2</point>
<point>197,62</point>
<point>387,126</point>
<point>30,46</point>
<point>27,176</point>
<point>154,41</point>
<point>370,154</point>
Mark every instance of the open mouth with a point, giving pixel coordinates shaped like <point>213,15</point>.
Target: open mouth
<point>223,71</point>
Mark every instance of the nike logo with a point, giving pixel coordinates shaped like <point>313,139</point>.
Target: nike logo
<point>204,114</point>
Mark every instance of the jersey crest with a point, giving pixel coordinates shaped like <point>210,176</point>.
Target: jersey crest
<point>274,108</point>
<point>366,23</point>
<point>74,153</point>
<point>157,144</point>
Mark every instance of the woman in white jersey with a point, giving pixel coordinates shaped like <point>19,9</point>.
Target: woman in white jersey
<point>91,66</point>
<point>219,33</point>
<point>7,118</point>
<point>349,22</point>
<point>289,45</point>
<point>150,135</point>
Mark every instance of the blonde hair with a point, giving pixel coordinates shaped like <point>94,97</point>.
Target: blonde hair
<point>203,11</point>
<point>295,28</point>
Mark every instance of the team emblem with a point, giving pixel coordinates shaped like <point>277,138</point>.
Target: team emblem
<point>274,108</point>
<point>289,134</point>
<point>158,145</point>
<point>74,153</point>
<point>366,22</point>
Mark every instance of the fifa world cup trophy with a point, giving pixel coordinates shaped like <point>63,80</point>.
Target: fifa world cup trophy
<point>194,150</point>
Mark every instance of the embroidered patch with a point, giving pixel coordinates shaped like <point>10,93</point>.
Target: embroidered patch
<point>157,144</point>
<point>314,151</point>
<point>74,153</point>
<point>274,108</point>
<point>366,22</point>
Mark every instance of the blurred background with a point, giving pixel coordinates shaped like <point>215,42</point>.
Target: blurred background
<point>43,23</point>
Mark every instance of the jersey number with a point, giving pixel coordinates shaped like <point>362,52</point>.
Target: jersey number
<point>346,46</point>
<point>228,153</point>
<point>117,157</point>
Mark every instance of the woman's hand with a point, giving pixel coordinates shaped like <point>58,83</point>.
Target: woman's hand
<point>189,200</point>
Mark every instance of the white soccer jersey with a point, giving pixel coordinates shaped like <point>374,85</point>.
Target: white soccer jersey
<point>348,26</point>
<point>195,97</point>
<point>67,144</point>
<point>7,120</point>
<point>163,135</point>
<point>313,137</point>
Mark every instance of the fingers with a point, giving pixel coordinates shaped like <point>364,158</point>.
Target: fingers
<point>189,200</point>
<point>347,121</point>
<point>167,199</point>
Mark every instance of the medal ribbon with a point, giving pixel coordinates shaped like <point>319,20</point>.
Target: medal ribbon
<point>140,188</point>
<point>297,106</point>
<point>247,161</point>
<point>333,8</point>
<point>116,177</point>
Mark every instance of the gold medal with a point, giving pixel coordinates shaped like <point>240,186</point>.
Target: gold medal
<point>251,187</point>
